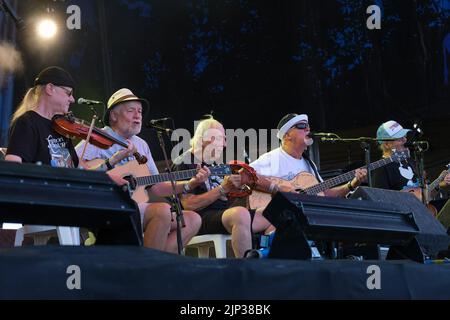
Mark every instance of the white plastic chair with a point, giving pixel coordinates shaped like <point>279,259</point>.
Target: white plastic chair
<point>67,236</point>
<point>204,242</point>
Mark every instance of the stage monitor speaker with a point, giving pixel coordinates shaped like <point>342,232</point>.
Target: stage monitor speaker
<point>444,216</point>
<point>43,195</point>
<point>432,236</point>
<point>299,218</point>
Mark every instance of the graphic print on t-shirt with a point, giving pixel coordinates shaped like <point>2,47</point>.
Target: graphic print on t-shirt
<point>407,172</point>
<point>59,153</point>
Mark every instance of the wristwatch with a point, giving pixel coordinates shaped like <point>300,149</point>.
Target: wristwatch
<point>186,188</point>
<point>108,164</point>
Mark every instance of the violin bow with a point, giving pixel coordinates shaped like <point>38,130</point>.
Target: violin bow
<point>88,136</point>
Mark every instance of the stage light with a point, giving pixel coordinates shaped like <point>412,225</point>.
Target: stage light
<point>47,29</point>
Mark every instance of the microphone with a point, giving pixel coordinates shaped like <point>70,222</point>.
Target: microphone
<point>87,101</point>
<point>155,121</point>
<point>158,125</point>
<point>321,134</point>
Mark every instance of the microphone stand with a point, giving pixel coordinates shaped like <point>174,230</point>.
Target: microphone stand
<point>91,106</point>
<point>419,158</point>
<point>365,145</point>
<point>176,204</point>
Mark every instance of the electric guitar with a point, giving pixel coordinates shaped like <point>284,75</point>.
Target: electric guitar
<point>428,190</point>
<point>307,183</point>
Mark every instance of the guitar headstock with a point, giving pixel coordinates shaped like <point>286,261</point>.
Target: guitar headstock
<point>400,155</point>
<point>220,170</point>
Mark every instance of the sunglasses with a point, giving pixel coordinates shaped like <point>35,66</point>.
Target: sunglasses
<point>301,125</point>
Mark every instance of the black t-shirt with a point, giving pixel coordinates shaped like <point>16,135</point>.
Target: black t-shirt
<point>33,138</point>
<point>186,161</point>
<point>396,176</point>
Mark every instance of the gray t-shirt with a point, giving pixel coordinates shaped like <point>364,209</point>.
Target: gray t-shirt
<point>93,152</point>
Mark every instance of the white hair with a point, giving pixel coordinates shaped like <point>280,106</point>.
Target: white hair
<point>203,126</point>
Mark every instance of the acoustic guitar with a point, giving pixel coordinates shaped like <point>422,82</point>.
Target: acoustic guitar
<point>307,183</point>
<point>139,177</point>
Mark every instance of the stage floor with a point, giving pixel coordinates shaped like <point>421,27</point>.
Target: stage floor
<point>47,272</point>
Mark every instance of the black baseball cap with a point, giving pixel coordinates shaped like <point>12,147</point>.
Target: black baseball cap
<point>55,75</point>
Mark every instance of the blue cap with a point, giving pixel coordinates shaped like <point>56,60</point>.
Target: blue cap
<point>391,130</point>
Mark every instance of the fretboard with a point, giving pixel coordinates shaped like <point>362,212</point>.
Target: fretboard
<point>436,182</point>
<point>177,175</point>
<point>330,183</point>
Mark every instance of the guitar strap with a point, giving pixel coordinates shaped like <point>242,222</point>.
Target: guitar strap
<point>313,166</point>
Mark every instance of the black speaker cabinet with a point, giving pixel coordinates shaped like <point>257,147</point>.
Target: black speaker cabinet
<point>299,218</point>
<point>43,195</point>
<point>444,215</point>
<point>432,236</point>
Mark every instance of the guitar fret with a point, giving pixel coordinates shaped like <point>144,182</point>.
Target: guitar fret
<point>436,182</point>
<point>313,190</point>
<point>177,175</point>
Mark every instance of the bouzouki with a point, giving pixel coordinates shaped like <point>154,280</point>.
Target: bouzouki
<point>307,183</point>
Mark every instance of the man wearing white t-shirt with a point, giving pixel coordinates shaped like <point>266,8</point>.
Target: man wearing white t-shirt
<point>289,160</point>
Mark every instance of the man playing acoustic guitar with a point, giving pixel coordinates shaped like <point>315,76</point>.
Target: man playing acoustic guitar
<point>124,118</point>
<point>291,166</point>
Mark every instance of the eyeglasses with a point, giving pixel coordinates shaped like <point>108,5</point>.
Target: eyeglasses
<point>69,92</point>
<point>301,125</point>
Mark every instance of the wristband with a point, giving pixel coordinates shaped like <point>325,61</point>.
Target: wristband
<point>108,164</point>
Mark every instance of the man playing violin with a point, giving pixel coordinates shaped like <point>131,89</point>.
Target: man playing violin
<point>290,159</point>
<point>124,121</point>
<point>210,198</point>
<point>32,138</point>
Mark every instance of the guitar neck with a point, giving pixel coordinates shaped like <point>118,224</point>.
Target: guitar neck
<point>177,175</point>
<point>438,180</point>
<point>180,175</point>
<point>330,183</point>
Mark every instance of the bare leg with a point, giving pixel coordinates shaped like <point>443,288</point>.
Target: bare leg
<point>259,225</point>
<point>236,221</point>
<point>157,221</point>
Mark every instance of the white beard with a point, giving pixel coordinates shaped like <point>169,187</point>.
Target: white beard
<point>309,141</point>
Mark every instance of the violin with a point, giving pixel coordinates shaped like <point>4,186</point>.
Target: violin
<point>71,127</point>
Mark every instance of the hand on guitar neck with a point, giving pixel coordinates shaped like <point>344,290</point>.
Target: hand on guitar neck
<point>446,181</point>
<point>431,189</point>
